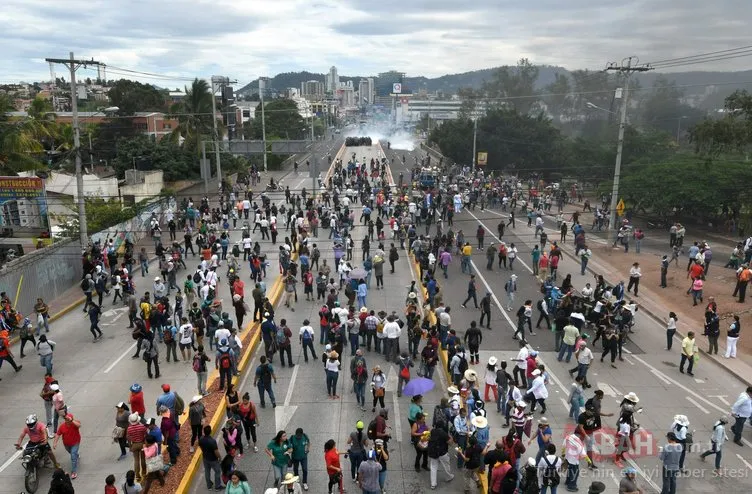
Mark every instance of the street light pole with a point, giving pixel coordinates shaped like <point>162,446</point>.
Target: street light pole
<point>475,141</point>
<point>263,128</point>
<point>216,133</point>
<point>617,166</point>
<point>678,128</point>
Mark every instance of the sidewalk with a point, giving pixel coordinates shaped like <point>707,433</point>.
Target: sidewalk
<point>614,265</point>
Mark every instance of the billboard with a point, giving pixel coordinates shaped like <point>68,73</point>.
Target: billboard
<point>23,203</point>
<point>482,159</point>
<point>397,88</point>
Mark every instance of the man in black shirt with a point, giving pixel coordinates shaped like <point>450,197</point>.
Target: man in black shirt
<point>495,455</point>
<point>211,458</point>
<point>438,453</point>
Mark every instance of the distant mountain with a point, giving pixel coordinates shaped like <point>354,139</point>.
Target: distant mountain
<point>693,83</point>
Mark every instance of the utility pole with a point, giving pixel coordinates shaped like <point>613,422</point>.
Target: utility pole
<point>73,65</point>
<point>627,69</point>
<point>263,126</point>
<point>222,81</point>
<point>475,141</point>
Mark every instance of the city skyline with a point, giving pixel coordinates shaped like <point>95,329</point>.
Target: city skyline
<point>186,39</point>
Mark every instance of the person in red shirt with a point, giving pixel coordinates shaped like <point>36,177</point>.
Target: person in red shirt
<point>109,485</point>
<point>5,353</point>
<point>37,433</point>
<point>333,467</point>
<point>136,435</point>
<point>71,434</point>
<point>136,401</point>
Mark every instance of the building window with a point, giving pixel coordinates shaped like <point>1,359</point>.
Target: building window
<point>140,126</point>
<point>167,126</point>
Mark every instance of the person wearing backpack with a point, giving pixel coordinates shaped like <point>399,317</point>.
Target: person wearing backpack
<point>548,470</point>
<point>224,362</point>
<point>458,365</point>
<point>262,379</point>
<point>438,452</point>
<point>472,457</point>
<point>170,336</point>
<point>306,335</point>
<point>283,335</point>
<point>199,367</point>
<point>151,357</point>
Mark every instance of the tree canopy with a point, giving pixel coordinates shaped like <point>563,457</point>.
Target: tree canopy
<point>132,96</point>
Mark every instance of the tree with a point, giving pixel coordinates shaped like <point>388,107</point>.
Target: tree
<point>132,96</point>
<point>558,98</point>
<point>195,116</point>
<point>20,140</point>
<point>469,98</point>
<point>282,120</point>
<point>729,134</point>
<point>514,85</point>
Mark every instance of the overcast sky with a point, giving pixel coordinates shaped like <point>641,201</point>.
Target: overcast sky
<point>244,39</point>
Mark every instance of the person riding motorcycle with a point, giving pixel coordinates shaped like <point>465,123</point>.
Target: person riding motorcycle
<point>37,433</point>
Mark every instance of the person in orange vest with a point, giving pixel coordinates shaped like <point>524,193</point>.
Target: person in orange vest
<point>5,352</point>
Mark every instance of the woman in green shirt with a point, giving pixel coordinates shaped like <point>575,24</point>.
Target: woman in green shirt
<point>415,408</point>
<point>279,451</point>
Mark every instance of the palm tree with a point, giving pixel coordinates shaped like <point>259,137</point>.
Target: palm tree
<point>20,140</point>
<point>194,115</point>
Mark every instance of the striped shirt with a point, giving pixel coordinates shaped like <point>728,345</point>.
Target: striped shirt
<point>137,433</point>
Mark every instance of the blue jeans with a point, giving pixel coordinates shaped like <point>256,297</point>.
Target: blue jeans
<point>444,268</point>
<point>354,341</point>
<point>144,268</point>
<point>714,450</point>
<point>582,369</point>
<point>382,479</point>
<point>583,266</point>
<point>443,332</point>
<point>269,390</point>
<point>73,450</point>
<point>209,467</point>
<point>303,464</point>
<point>501,402</point>
<point>553,489</point>
<point>46,362</point>
<point>360,393</point>
<point>565,348</point>
<point>279,473</point>
<point>361,301</point>
<point>331,382</point>
<point>322,334</point>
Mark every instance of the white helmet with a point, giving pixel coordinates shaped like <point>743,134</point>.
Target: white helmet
<point>31,420</point>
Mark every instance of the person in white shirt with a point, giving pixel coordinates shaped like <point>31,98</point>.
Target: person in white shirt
<point>222,333</point>
<point>538,392</point>
<point>538,225</point>
<point>574,452</point>
<point>204,291</point>
<point>306,340</point>
<point>547,462</point>
<point>392,332</point>
<point>587,292</point>
<point>186,337</point>
<point>584,357</point>
<point>634,278</point>
<point>520,368</point>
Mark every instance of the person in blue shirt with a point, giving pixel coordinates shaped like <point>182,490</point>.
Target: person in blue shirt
<point>431,287</point>
<point>543,436</point>
<point>362,292</point>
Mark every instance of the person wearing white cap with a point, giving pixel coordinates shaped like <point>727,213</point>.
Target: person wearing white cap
<point>538,391</point>
<point>489,379</point>
<point>679,426</point>
<point>160,289</point>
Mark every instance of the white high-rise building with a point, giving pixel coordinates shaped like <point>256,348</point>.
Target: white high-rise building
<point>332,80</point>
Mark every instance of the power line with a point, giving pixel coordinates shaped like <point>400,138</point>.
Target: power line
<point>715,59</point>
<point>671,60</point>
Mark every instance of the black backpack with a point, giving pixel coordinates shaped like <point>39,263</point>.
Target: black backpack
<point>550,473</point>
<point>463,365</point>
<point>85,284</point>
<point>196,277</point>
<point>371,431</point>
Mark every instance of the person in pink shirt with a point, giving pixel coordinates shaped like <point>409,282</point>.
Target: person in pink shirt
<point>37,433</point>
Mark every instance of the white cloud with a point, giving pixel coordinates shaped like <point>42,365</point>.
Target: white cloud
<point>246,39</point>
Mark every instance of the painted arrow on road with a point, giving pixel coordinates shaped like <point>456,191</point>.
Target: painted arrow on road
<point>283,413</point>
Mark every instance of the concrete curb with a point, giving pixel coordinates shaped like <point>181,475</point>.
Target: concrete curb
<point>274,295</point>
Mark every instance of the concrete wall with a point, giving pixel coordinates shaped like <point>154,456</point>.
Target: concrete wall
<point>49,272</point>
<point>141,185</point>
<point>45,273</point>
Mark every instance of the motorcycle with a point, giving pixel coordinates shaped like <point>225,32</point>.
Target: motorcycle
<point>272,187</point>
<point>32,459</point>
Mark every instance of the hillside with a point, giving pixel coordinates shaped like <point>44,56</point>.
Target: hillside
<point>693,83</point>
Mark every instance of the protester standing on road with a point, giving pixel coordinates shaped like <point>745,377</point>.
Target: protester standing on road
<point>70,432</point>
<point>263,380</point>
<point>669,456</point>
<point>45,350</point>
<point>211,459</point>
<point>136,435</point>
<point>634,278</point>
<point>741,411</point>
<point>689,351</point>
<point>717,439</point>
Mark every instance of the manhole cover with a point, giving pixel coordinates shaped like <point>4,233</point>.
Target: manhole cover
<point>670,364</point>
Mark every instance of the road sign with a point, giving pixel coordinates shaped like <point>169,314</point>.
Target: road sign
<point>482,159</point>
<point>620,208</point>
<point>397,88</point>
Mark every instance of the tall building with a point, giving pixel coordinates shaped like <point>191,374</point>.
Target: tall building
<point>371,89</point>
<point>312,90</point>
<point>332,80</point>
<point>365,91</point>
<point>386,82</point>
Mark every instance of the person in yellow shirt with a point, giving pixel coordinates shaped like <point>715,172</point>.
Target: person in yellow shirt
<point>467,251</point>
<point>689,350</point>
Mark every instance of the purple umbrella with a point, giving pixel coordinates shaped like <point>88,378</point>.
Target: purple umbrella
<point>418,386</point>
